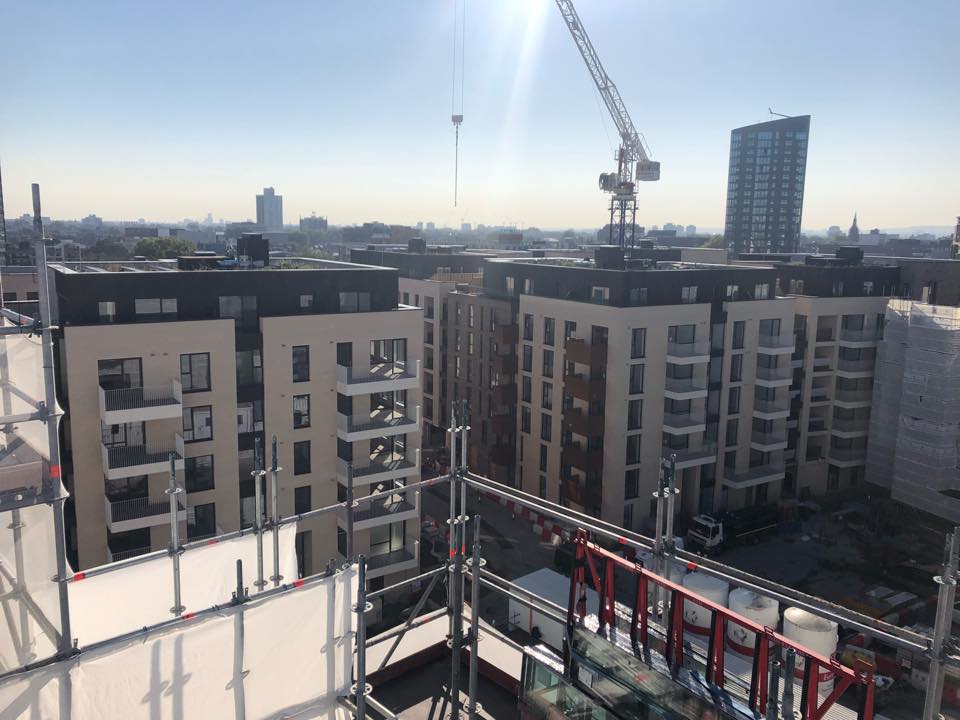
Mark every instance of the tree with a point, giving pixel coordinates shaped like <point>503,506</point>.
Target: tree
<point>163,247</point>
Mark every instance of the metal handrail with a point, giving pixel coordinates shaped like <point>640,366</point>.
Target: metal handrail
<point>136,508</point>
<point>142,397</point>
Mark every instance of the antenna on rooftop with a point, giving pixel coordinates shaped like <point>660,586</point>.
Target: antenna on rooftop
<point>456,103</point>
<point>770,110</point>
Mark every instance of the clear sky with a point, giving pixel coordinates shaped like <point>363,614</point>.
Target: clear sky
<point>173,109</point>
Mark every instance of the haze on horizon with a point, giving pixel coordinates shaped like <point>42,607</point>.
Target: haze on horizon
<point>174,110</point>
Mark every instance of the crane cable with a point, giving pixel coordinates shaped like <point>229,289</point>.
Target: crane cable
<point>456,112</point>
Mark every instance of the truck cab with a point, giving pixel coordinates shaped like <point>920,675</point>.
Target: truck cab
<point>705,533</point>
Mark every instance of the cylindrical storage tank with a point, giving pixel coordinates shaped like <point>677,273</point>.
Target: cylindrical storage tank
<point>753,606</point>
<point>696,618</point>
<point>815,633</point>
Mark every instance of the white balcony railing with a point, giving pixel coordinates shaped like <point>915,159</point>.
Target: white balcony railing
<point>771,407</point>
<point>137,513</point>
<point>398,560</point>
<point>381,468</point>
<point>130,460</point>
<point>377,424</point>
<point>756,476</point>
<point>776,343</point>
<point>767,440</point>
<point>139,404</point>
<point>774,374</point>
<point>688,457</point>
<point>126,554</point>
<point>686,351</point>
<point>378,378</point>
<point>683,386</point>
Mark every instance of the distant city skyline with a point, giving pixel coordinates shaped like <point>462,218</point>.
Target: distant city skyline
<point>361,130</point>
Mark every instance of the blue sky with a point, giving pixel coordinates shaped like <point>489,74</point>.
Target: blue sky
<point>175,109</point>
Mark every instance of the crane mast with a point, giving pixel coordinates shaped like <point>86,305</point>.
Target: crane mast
<point>633,157</point>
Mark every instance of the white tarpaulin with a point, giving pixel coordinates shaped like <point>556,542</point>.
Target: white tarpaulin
<point>279,656</point>
<point>120,601</point>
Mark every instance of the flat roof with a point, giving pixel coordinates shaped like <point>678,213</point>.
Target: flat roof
<point>166,266</point>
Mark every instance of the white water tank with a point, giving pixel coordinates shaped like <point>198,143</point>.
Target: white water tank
<point>815,633</point>
<point>753,606</point>
<point>696,618</point>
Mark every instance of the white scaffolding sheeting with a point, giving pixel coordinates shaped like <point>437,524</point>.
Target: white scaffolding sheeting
<point>113,603</point>
<point>278,656</point>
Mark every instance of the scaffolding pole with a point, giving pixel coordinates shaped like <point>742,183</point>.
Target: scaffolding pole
<point>173,492</point>
<point>476,564</point>
<point>258,474</point>
<point>361,689</point>
<point>941,629</point>
<point>275,512</point>
<point>351,504</point>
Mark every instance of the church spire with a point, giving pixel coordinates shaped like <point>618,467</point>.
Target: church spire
<point>853,235</point>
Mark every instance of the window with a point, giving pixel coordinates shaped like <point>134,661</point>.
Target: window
<point>548,363</point>
<point>197,423</point>
<point>547,399</point>
<point>638,343</point>
<point>471,316</point>
<point>628,517</point>
<point>250,416</point>
<point>528,358</point>
<point>688,294</point>
<point>682,334</point>
<point>249,368</point>
<point>243,309</point>
<point>739,330</point>
<point>428,308</point>
<point>119,374</point>
<point>301,499</point>
<point>354,302</point>
<point>600,295</point>
<point>733,426</point>
<point>527,327</point>
<point>198,473</point>
<point>733,401</point>
<point>636,379</point>
<point>633,449</point>
<point>195,372</point>
<point>107,311</point>
<point>631,484</point>
<point>526,389</point>
<point>542,489</point>
<point>548,330</point>
<point>301,411</point>
<point>733,292</point>
<point>637,296</point>
<point>202,521</point>
<point>569,329</point>
<point>761,291</point>
<point>301,363</point>
<point>634,414</point>
<point>525,420</point>
<point>546,427</point>
<point>470,342</point>
<point>301,457</point>
<point>306,302</point>
<point>155,307</point>
<point>543,458</point>
<point>736,368</point>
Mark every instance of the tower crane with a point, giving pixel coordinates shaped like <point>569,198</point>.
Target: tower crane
<point>633,156</point>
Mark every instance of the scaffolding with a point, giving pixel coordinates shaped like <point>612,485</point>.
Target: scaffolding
<point>268,643</point>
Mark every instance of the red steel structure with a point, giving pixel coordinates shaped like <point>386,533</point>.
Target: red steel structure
<point>597,565</point>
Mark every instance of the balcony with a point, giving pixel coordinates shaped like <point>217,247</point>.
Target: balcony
<point>688,457</point>
<point>847,457</point>
<point>776,344</point>
<point>688,353</point>
<point>119,555</point>
<point>504,455</point>
<point>506,335</point>
<point>506,365</point>
<point>584,388</point>
<point>854,398</point>
<point>685,388</point>
<point>820,395</point>
<point>774,376</point>
<point>134,405</point>
<point>580,351</point>
<point>369,513</point>
<point>383,467</point>
<point>581,493</point>
<point>855,368</point>
<point>132,460</point>
<point>407,558</point>
<point>684,423</point>
<point>825,335</point>
<point>504,395</point>
<point>503,424</point>
<point>771,409</point>
<point>822,365</point>
<point>816,425</point>
<point>859,338</point>
<point>768,441</point>
<point>380,378</point>
<point>755,476</point>
<point>576,456</point>
<point>850,427</point>
<point>138,513</point>
<point>376,424</point>
<point>579,421</point>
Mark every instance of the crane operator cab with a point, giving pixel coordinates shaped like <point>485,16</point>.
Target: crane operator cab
<point>647,170</point>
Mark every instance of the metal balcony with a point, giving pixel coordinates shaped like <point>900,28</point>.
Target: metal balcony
<point>575,455</point>
<point>854,368</point>
<point>382,467</point>
<point>579,421</point>
<point>394,507</point>
<point>755,476</point>
<point>583,387</point>
<point>847,457</point>
<point>820,395</point>
<point>859,338</point>
<point>816,425</point>
<point>688,353</point>
<point>768,442</point>
<point>774,376</point>
<point>691,457</point>
<point>684,423</point>
<point>138,513</point>
<point>141,404</point>
<point>854,398</point>
<point>685,388</point>
<point>132,460</point>
<point>850,427</point>
<point>126,554</point>
<point>580,351</point>
<point>378,423</point>
<point>776,344</point>
<point>380,378</point>
<point>771,409</point>
<point>822,365</point>
<point>407,558</point>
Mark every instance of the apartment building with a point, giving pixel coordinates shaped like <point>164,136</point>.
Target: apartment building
<point>200,359</point>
